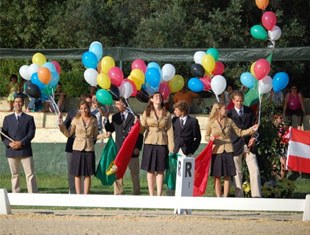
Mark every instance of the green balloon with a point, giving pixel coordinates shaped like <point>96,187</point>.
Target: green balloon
<point>251,97</point>
<point>258,32</point>
<point>214,52</point>
<point>104,97</point>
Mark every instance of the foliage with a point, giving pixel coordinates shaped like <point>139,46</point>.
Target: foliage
<point>154,24</point>
<point>278,189</point>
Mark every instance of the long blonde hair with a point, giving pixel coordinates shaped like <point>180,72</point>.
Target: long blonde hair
<point>215,110</point>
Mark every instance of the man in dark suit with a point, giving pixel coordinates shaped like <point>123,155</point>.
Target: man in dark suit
<point>243,146</point>
<point>122,121</point>
<point>186,130</point>
<point>19,129</point>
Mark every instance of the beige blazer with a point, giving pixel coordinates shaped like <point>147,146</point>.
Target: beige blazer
<point>85,136</point>
<point>223,141</point>
<point>159,131</point>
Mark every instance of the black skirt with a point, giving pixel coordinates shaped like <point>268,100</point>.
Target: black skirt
<point>83,163</point>
<point>223,165</point>
<point>154,158</point>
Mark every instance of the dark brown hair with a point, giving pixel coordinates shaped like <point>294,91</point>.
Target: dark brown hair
<point>182,106</point>
<point>150,105</point>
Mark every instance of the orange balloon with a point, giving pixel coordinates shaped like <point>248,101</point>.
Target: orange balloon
<point>262,4</point>
<point>44,75</point>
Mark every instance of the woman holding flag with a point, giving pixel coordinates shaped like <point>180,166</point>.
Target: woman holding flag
<point>158,142</point>
<point>219,130</point>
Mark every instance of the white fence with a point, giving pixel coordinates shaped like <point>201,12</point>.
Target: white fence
<point>110,201</point>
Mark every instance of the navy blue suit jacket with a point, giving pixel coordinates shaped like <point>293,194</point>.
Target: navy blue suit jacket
<point>23,130</point>
<point>122,129</point>
<point>187,138</point>
<point>246,121</point>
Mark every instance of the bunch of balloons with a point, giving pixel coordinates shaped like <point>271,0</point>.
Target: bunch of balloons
<point>142,81</point>
<point>268,29</point>
<point>42,77</point>
<point>207,72</point>
<point>258,80</point>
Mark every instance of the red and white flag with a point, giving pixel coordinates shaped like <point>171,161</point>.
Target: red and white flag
<point>298,153</point>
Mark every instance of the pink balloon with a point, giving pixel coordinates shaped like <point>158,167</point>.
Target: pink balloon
<point>138,64</point>
<point>206,83</point>
<point>219,68</point>
<point>269,20</point>
<point>116,75</point>
<point>261,68</point>
<point>57,66</point>
<point>134,88</point>
<point>164,90</point>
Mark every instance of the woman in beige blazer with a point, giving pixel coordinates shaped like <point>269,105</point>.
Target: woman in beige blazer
<point>85,128</point>
<point>218,130</point>
<point>158,142</point>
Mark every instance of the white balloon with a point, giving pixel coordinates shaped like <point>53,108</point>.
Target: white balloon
<point>275,33</point>
<point>33,68</point>
<point>218,84</point>
<point>23,71</point>
<point>125,89</point>
<point>90,76</point>
<point>264,85</point>
<point>168,72</point>
<point>198,57</point>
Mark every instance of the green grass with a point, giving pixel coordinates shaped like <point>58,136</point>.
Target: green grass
<point>49,183</point>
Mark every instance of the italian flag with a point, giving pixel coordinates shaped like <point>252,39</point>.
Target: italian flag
<point>298,154</point>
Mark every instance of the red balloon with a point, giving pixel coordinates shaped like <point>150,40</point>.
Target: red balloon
<point>261,68</point>
<point>269,20</point>
<point>219,68</point>
<point>138,64</point>
<point>116,75</point>
<point>206,83</point>
<point>57,66</point>
<point>164,90</point>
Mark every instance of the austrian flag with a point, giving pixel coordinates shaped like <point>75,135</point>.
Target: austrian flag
<point>298,154</point>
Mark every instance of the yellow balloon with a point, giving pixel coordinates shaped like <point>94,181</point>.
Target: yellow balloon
<point>176,83</point>
<point>252,69</point>
<point>137,76</point>
<point>208,62</point>
<point>107,63</point>
<point>104,81</point>
<point>38,58</point>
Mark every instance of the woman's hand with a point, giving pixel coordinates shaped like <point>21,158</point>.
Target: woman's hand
<point>255,127</point>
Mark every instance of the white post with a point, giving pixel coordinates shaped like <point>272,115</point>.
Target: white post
<point>306,215</point>
<point>185,180</point>
<point>5,208</point>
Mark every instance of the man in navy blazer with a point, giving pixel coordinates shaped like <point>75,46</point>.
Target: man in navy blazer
<point>243,146</point>
<point>20,128</point>
<point>122,121</point>
<point>186,130</point>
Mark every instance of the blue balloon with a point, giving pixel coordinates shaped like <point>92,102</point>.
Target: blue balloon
<point>247,79</point>
<point>96,48</point>
<point>50,66</point>
<point>149,89</point>
<point>55,79</point>
<point>35,80</point>
<point>195,85</point>
<point>279,81</point>
<point>154,65</point>
<point>152,77</point>
<point>89,60</point>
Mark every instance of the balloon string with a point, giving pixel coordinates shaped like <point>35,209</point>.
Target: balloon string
<point>217,98</point>
<point>259,108</point>
<point>54,105</point>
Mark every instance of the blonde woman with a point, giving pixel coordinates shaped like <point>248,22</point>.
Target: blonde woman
<point>85,128</point>
<point>219,129</point>
<point>158,142</point>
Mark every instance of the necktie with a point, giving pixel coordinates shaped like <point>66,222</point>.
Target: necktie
<point>240,113</point>
<point>181,122</point>
<point>17,118</point>
<point>123,117</point>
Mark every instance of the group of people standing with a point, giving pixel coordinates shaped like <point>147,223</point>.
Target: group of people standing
<point>231,131</point>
